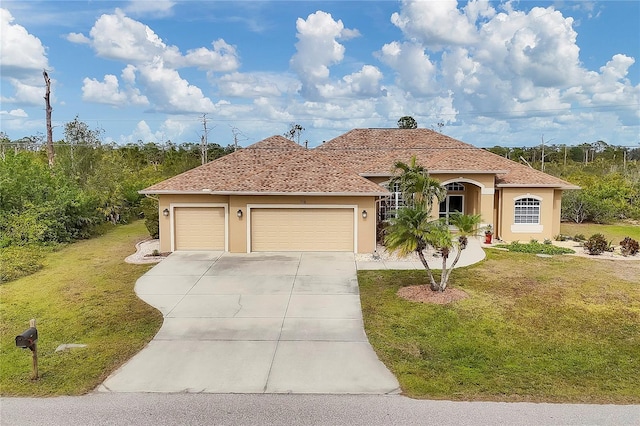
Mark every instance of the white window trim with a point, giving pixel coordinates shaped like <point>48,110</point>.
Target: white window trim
<point>523,228</point>
<point>484,190</point>
<point>172,216</point>
<point>304,206</point>
<point>457,182</point>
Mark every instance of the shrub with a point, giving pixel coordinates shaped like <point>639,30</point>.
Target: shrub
<point>597,244</point>
<point>579,237</point>
<point>629,247</point>
<point>20,261</point>
<point>560,237</point>
<point>149,209</point>
<point>547,241</point>
<point>535,248</point>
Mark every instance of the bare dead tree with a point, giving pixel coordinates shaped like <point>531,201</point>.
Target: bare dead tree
<point>47,101</point>
<point>236,133</point>
<point>204,140</point>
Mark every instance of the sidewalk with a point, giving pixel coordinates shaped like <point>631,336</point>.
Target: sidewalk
<point>383,260</point>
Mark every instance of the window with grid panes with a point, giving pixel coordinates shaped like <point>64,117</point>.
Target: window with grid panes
<point>527,211</point>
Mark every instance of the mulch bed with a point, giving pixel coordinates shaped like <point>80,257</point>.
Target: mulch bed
<point>423,294</point>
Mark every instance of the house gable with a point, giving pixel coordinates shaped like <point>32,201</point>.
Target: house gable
<point>373,152</point>
<point>275,165</point>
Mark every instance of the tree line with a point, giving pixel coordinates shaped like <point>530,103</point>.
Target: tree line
<point>609,177</point>
<point>89,186</point>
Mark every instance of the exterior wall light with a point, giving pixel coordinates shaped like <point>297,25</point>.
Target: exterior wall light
<point>239,214</point>
<point>165,212</point>
<point>364,214</point>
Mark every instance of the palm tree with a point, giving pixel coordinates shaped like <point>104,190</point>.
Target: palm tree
<point>413,229</point>
<point>443,241</point>
<point>415,184</point>
<point>408,232</point>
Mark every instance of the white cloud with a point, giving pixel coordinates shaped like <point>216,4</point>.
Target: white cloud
<point>171,93</point>
<point>223,57</point>
<point>28,94</point>
<point>118,37</point>
<point>14,113</point>
<point>78,38</point>
<point>143,132</point>
<point>414,70</point>
<point>108,91</point>
<point>129,74</point>
<point>21,53</point>
<point>121,38</point>
<point>439,23</point>
<point>317,49</point>
<point>364,83</point>
<point>176,129</point>
<point>512,64</point>
<point>18,121</point>
<point>252,85</point>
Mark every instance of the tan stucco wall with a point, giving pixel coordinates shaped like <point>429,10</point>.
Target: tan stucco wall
<point>479,193</point>
<point>549,226</point>
<point>366,235</point>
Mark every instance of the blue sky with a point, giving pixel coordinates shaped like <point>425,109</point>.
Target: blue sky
<point>507,73</point>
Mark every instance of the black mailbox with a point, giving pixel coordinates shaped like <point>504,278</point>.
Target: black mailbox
<point>27,339</point>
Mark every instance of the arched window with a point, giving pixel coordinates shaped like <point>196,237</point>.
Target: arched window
<point>527,211</point>
<point>454,186</point>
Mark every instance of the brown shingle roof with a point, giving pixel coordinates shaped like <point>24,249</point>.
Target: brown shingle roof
<point>275,165</point>
<point>373,152</point>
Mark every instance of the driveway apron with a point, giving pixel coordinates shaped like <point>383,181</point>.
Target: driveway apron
<point>255,323</point>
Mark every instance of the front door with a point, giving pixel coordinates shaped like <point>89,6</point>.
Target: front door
<point>451,204</point>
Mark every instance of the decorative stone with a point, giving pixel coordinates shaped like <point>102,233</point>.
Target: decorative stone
<point>66,346</point>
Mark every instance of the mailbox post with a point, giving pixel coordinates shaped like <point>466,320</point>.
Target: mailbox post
<point>28,340</point>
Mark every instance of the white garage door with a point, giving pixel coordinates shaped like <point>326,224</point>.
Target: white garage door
<point>199,228</point>
<point>311,229</point>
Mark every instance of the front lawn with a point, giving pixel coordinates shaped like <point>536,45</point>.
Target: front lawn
<point>533,329</point>
<point>83,294</point>
<point>614,233</point>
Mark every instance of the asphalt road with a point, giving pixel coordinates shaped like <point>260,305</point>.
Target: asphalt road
<point>268,409</point>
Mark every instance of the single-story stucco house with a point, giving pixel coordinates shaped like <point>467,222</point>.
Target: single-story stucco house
<point>278,196</point>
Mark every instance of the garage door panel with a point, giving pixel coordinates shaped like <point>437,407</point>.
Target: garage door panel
<point>199,228</point>
<point>309,229</point>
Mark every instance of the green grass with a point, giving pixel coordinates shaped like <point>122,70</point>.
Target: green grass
<point>561,329</point>
<point>614,233</point>
<point>83,294</point>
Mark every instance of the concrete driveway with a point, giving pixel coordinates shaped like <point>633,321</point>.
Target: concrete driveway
<point>255,323</point>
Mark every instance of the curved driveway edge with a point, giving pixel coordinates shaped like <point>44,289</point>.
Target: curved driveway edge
<point>255,323</point>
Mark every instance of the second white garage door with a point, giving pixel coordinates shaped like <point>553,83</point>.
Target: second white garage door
<point>310,229</point>
<point>199,228</point>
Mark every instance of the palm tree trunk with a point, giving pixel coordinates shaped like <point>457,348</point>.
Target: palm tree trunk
<point>433,285</point>
<point>444,279</point>
<point>444,276</point>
